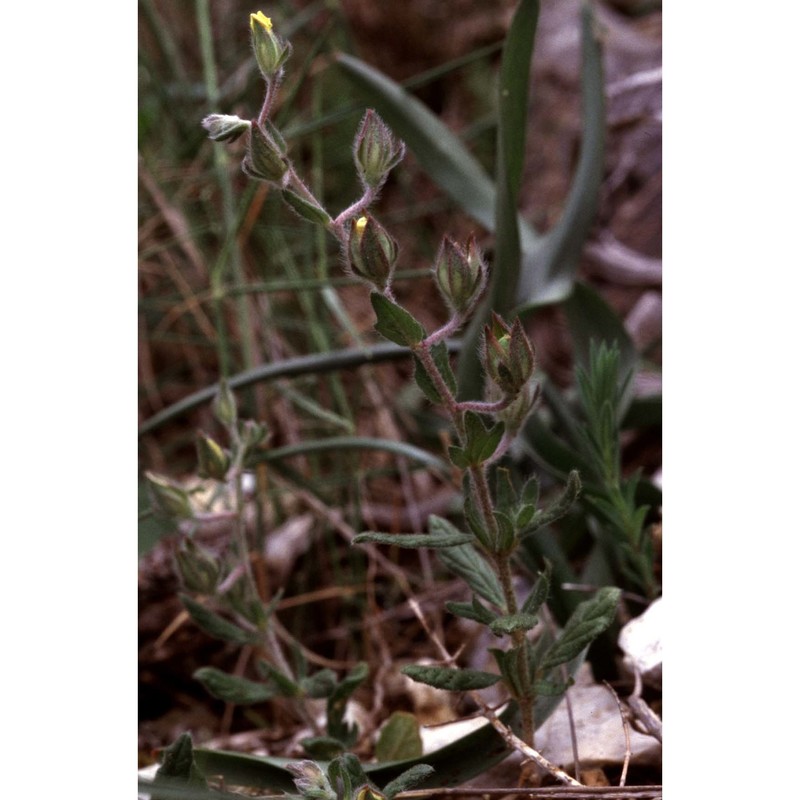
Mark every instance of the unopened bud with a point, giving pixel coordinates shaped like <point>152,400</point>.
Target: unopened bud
<point>198,568</point>
<point>212,460</point>
<point>252,434</point>
<point>310,780</point>
<point>460,275</point>
<point>507,355</point>
<point>372,251</point>
<point>224,127</point>
<point>520,408</point>
<point>169,498</point>
<point>376,150</point>
<point>224,405</point>
<point>264,160</point>
<point>271,50</point>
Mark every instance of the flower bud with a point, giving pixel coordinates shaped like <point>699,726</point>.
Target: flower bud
<point>225,127</point>
<point>517,413</point>
<point>507,355</point>
<point>212,460</point>
<point>271,50</point>
<point>224,405</point>
<point>311,781</point>
<point>252,434</point>
<point>169,498</point>
<point>372,251</point>
<point>460,276</point>
<point>376,151</point>
<point>198,568</point>
<point>264,160</point>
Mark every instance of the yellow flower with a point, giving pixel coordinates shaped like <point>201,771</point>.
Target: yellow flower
<point>262,20</point>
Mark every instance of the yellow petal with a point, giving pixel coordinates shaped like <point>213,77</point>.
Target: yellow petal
<point>262,20</point>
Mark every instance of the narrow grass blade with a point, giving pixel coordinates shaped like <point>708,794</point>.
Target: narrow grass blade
<point>303,365</point>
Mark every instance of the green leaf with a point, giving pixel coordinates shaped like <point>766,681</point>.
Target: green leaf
<point>395,323</point>
<point>549,272</point>
<point>306,209</point>
<point>178,762</point>
<point>541,589</point>
<point>231,688</point>
<point>215,625</point>
<point>587,622</point>
<point>552,688</point>
<point>450,678</point>
<point>559,507</point>
<point>413,540</point>
<point>285,686</point>
<point>507,533</point>
<point>512,126</point>
<point>513,622</point>
<point>320,684</point>
<point>470,566</point>
<point>475,611</point>
<point>399,738</point>
<point>408,779</point>
<point>481,442</point>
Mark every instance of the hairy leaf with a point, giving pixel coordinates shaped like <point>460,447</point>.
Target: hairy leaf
<point>513,622</point>
<point>395,323</point>
<point>232,688</point>
<point>213,624</point>
<point>587,622</point>
<point>450,678</point>
<point>470,566</point>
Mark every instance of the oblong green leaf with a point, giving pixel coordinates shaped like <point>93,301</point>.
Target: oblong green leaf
<point>407,780</point>
<point>471,567</point>
<point>395,323</point>
<point>587,622</point>
<point>232,688</point>
<point>413,540</point>
<point>215,625</point>
<point>450,678</point>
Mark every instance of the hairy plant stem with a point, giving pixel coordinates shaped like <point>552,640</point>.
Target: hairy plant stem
<point>502,562</point>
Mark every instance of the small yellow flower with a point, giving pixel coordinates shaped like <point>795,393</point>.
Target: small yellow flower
<point>361,223</point>
<point>262,20</point>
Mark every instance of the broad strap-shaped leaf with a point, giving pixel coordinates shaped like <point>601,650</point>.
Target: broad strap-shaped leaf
<point>215,625</point>
<point>450,678</point>
<point>512,126</point>
<point>232,688</point>
<point>548,272</point>
<point>399,738</point>
<point>587,622</point>
<point>395,323</point>
<point>470,566</point>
